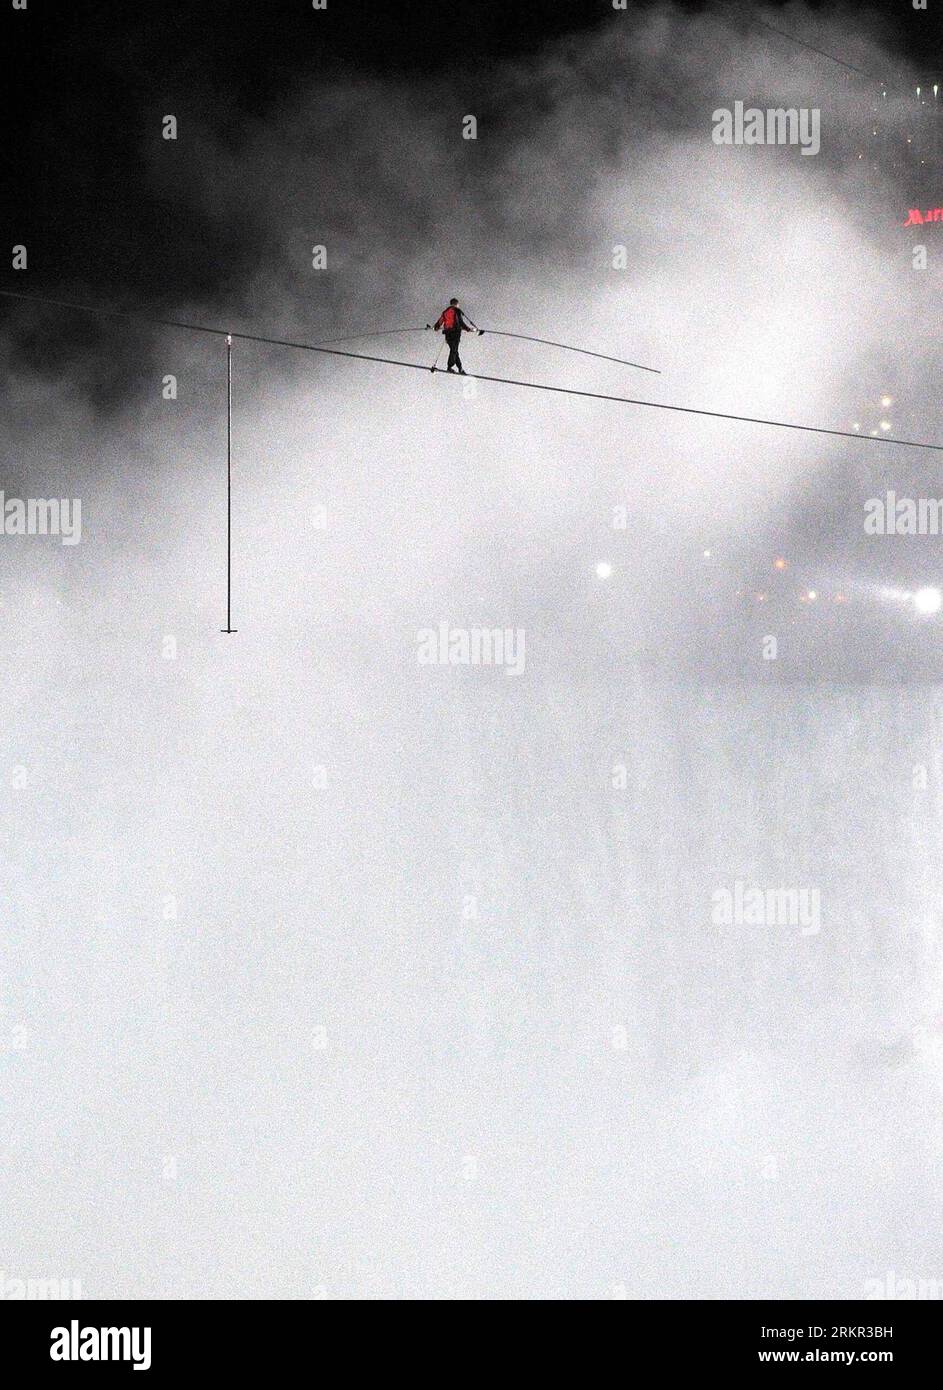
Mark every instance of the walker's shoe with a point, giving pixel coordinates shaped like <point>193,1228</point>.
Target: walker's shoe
<point>450,370</point>
<point>462,371</point>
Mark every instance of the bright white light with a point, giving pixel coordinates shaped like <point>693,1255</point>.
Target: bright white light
<point>928,601</point>
<point>886,401</point>
<point>707,555</point>
<point>603,569</point>
<point>885,424</point>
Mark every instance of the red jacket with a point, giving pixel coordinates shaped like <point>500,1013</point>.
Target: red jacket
<point>450,319</point>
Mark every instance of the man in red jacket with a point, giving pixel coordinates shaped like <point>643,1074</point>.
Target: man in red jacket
<point>452,321</point>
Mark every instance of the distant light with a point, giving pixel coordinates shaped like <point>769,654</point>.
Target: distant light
<point>603,570</point>
<point>856,426</point>
<point>761,598</point>
<point>928,601</point>
<point>840,598</point>
<point>886,401</point>
<point>707,554</point>
<point>885,424</point>
<point>779,563</point>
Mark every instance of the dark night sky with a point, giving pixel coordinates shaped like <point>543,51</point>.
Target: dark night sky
<point>87,76</point>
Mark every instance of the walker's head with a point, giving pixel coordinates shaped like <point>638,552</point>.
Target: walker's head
<point>453,301</point>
